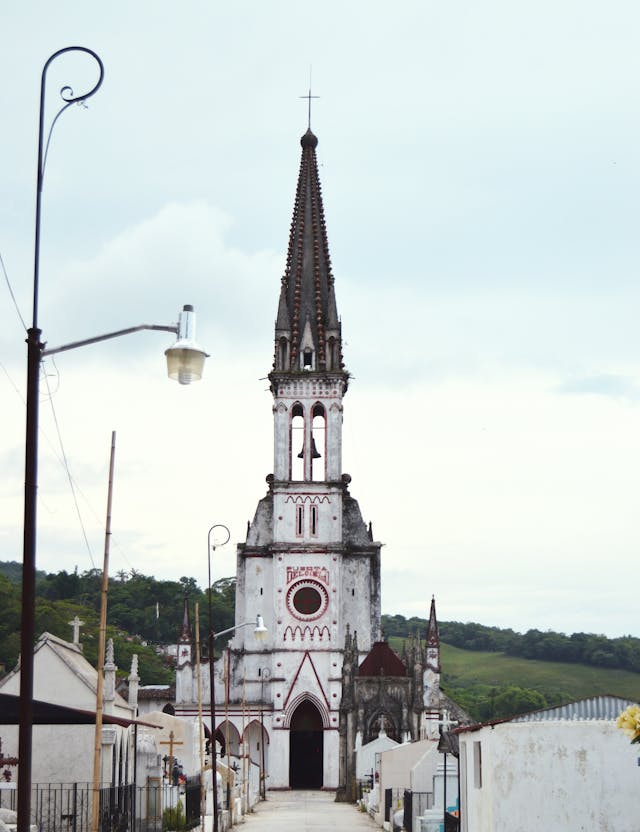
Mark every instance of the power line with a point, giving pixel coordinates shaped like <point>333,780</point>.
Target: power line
<point>13,297</point>
<point>66,468</point>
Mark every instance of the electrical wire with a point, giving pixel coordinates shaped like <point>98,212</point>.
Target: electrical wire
<point>13,297</point>
<point>66,468</point>
<point>61,459</point>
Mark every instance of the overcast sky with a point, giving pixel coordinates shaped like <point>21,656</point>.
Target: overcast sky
<point>480,164</point>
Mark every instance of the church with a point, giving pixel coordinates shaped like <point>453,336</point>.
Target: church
<point>309,565</point>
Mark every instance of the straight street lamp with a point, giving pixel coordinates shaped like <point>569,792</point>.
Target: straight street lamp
<point>185,361</point>
<point>260,631</point>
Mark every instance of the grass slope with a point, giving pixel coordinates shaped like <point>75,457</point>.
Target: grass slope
<point>464,668</point>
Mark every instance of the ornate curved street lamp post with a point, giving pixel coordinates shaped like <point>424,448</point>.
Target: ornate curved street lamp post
<point>34,354</point>
<point>184,362</point>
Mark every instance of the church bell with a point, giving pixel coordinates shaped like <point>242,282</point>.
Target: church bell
<point>314,451</point>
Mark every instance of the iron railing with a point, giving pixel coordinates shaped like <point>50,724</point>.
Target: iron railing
<point>66,807</point>
<point>415,805</point>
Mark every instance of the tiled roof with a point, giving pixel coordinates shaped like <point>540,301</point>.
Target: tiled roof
<point>151,692</point>
<point>382,661</point>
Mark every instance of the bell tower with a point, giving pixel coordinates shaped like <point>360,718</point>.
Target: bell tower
<point>309,564</point>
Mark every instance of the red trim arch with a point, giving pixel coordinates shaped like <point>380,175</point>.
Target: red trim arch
<point>256,722</point>
<point>318,703</point>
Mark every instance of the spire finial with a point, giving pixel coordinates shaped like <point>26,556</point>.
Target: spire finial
<point>308,96</point>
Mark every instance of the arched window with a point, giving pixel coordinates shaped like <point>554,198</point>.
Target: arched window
<point>296,444</point>
<point>318,444</point>
<point>283,354</point>
<point>332,355</point>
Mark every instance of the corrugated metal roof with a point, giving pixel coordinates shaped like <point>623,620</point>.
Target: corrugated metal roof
<point>605,707</point>
<point>595,707</point>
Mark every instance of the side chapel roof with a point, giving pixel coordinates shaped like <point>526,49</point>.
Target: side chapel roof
<point>382,661</point>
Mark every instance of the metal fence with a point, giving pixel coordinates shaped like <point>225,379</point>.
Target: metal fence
<point>415,805</point>
<point>66,807</point>
<point>359,788</point>
<point>393,800</point>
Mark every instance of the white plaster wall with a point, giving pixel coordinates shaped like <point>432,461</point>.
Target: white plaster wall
<point>578,775</point>
<point>397,763</point>
<point>54,682</point>
<point>278,772</point>
<point>331,760</point>
<point>421,775</point>
<point>395,769</point>
<point>328,501</point>
<point>62,753</point>
<point>366,755</point>
<point>354,596</point>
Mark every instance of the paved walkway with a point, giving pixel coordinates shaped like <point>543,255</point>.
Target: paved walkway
<point>300,811</point>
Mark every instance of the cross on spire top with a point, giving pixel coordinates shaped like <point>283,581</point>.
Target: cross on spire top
<point>308,96</point>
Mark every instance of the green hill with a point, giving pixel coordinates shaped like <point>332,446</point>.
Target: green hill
<point>463,667</point>
<point>491,672</point>
<point>492,685</point>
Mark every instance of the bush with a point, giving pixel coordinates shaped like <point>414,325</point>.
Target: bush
<point>173,818</point>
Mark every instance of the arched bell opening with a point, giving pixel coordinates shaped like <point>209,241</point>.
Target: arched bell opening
<point>296,444</point>
<point>306,747</point>
<point>318,443</point>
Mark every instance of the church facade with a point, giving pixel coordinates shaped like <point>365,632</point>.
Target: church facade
<point>309,564</point>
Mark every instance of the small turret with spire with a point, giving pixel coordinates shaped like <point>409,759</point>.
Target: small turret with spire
<point>185,640</point>
<point>431,676</point>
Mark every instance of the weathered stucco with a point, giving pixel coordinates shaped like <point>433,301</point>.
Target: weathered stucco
<point>569,775</point>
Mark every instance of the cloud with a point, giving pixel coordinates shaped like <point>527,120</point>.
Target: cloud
<point>601,384</point>
<point>147,273</point>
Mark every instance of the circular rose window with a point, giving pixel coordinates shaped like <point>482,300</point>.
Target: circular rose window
<point>307,600</point>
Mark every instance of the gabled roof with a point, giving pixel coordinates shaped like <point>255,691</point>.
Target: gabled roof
<point>70,654</point>
<point>382,661</point>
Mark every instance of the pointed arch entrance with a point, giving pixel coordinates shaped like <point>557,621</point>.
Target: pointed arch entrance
<point>306,747</point>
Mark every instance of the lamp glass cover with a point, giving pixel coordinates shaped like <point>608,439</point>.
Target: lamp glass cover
<point>185,364</point>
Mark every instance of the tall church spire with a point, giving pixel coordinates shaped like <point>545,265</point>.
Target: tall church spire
<point>308,336</point>
<point>308,379</point>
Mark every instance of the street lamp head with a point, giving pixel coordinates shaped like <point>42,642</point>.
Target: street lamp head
<point>185,359</point>
<point>260,631</point>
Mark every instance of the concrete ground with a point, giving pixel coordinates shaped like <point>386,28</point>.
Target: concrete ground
<point>303,811</point>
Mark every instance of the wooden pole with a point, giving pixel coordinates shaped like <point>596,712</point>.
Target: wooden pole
<point>97,746</point>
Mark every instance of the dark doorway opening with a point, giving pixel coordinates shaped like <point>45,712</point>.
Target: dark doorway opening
<point>306,748</point>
